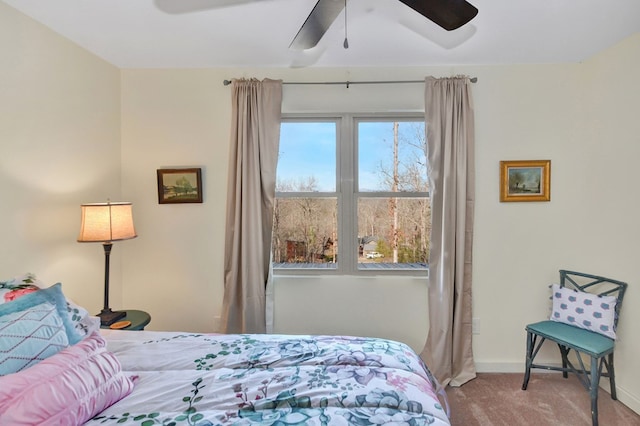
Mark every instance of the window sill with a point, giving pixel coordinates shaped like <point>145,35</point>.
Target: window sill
<point>370,268</point>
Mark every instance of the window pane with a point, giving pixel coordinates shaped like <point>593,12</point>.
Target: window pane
<point>391,156</point>
<point>305,232</point>
<point>393,231</point>
<point>307,157</point>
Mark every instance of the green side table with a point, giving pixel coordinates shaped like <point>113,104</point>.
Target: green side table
<point>139,320</point>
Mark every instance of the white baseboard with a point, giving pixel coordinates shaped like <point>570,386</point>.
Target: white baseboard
<point>506,367</point>
<point>500,367</point>
<point>628,399</point>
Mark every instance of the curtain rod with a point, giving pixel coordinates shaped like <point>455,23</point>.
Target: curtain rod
<point>348,83</point>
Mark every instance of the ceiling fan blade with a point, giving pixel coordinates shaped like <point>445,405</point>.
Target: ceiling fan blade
<point>317,23</point>
<point>188,6</point>
<point>449,14</point>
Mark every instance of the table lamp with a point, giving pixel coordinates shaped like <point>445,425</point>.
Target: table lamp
<point>105,223</point>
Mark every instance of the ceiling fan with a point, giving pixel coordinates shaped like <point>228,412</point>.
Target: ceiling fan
<point>448,14</point>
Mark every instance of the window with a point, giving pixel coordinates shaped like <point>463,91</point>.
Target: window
<point>352,195</point>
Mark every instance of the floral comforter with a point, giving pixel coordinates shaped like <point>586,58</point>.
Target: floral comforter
<point>208,379</point>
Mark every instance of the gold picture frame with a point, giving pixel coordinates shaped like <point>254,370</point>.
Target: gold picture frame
<point>179,186</point>
<point>525,180</point>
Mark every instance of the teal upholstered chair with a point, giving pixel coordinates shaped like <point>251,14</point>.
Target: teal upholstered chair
<point>583,320</point>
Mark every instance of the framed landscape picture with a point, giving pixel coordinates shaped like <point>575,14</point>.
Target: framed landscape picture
<point>179,186</point>
<point>526,180</point>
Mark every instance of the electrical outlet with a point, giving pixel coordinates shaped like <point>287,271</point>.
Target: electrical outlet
<point>475,325</point>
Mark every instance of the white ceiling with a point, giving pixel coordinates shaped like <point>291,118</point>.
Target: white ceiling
<point>248,33</point>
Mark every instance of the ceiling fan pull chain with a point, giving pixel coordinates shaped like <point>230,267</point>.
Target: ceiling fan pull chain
<point>346,42</point>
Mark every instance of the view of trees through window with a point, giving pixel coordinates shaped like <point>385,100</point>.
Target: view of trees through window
<point>352,195</point>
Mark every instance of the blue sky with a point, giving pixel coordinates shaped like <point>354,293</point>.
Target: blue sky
<point>309,149</point>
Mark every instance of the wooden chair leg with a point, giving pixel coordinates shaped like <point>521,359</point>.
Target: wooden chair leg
<point>612,377</point>
<point>564,352</point>
<point>593,390</point>
<point>528,360</point>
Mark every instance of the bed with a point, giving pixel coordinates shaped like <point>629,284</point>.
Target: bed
<point>118,377</point>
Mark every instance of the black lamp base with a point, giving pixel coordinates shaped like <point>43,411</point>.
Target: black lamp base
<point>108,317</point>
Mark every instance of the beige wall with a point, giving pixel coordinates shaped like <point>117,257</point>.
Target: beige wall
<point>174,269</point>
<point>567,113</point>
<point>611,94</point>
<point>59,147</point>
<point>388,307</point>
<point>60,131</point>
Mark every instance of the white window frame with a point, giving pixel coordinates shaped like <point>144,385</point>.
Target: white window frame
<point>347,195</point>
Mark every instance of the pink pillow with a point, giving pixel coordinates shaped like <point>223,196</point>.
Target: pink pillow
<point>67,388</point>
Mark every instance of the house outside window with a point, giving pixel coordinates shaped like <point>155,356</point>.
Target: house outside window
<point>352,196</point>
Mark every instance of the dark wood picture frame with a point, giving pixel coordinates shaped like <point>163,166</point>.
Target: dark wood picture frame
<point>525,180</point>
<point>177,186</point>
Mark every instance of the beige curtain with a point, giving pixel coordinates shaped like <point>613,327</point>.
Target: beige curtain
<point>255,136</point>
<point>450,155</point>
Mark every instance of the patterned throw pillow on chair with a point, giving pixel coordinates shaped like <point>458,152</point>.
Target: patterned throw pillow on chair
<point>584,310</point>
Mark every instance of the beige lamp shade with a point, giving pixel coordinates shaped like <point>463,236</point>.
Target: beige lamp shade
<point>106,222</point>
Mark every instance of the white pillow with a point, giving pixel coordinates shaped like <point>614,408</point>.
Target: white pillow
<point>584,310</point>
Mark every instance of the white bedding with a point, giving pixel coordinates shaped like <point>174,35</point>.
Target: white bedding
<point>208,379</point>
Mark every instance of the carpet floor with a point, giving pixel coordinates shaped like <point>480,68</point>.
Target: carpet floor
<point>497,399</point>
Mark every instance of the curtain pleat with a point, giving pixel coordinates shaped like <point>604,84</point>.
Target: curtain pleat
<point>450,154</point>
<point>255,136</point>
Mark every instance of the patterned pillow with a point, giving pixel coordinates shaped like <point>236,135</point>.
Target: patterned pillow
<point>18,286</point>
<point>52,295</point>
<point>84,323</point>
<point>584,310</point>
<point>29,334</point>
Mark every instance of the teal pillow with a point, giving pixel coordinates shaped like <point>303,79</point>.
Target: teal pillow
<point>16,287</point>
<point>52,295</point>
<point>29,334</point>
